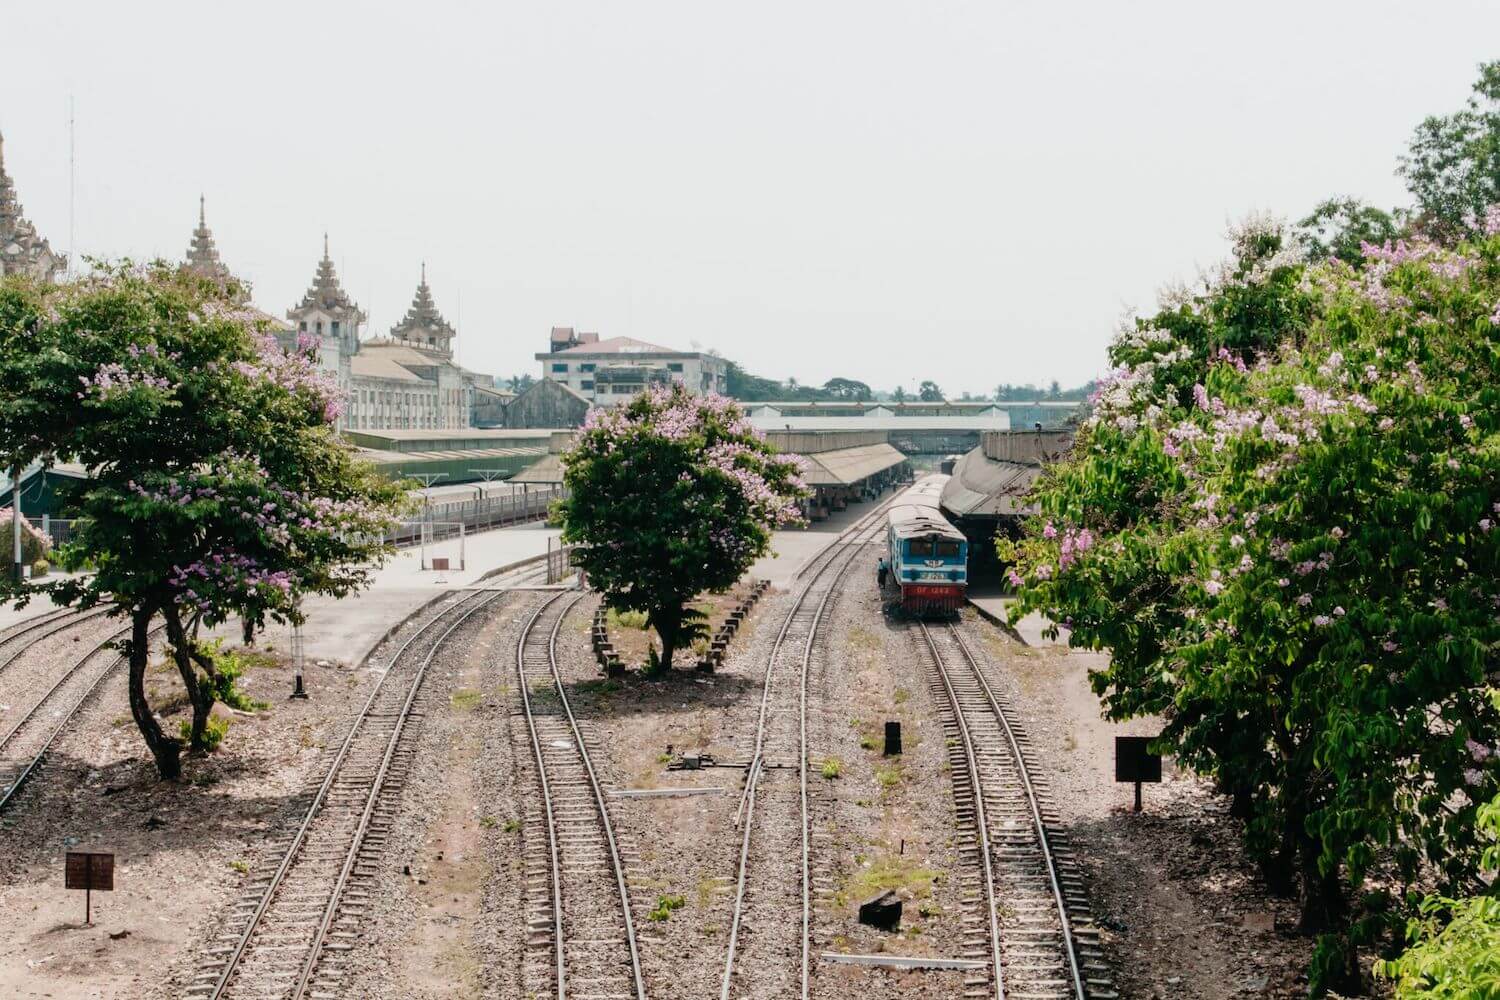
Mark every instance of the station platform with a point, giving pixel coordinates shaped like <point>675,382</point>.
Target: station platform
<point>993,603</point>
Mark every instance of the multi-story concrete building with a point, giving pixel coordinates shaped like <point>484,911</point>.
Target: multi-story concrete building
<point>22,251</point>
<point>607,372</point>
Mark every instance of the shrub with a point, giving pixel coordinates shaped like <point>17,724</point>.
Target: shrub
<point>39,569</point>
<point>34,544</point>
<point>664,907</point>
<point>229,667</point>
<point>213,732</point>
<point>832,768</point>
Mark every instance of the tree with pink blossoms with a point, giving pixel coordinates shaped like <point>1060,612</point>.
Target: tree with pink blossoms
<point>217,486</point>
<point>671,495</point>
<point>1281,522</point>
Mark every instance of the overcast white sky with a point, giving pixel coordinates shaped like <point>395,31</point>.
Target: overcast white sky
<point>968,192</point>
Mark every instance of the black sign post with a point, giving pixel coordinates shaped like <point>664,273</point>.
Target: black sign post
<point>1135,762</point>
<point>89,870</point>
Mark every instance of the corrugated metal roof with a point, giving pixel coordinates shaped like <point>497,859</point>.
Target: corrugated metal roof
<point>985,487</point>
<point>999,422</point>
<point>847,466</point>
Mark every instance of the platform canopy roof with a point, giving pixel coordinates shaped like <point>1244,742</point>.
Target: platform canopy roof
<point>986,487</point>
<point>848,466</point>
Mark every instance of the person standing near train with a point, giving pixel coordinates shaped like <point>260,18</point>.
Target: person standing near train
<point>882,569</point>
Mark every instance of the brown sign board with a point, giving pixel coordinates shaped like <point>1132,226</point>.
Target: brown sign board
<point>440,564</point>
<point>93,870</point>
<point>1134,761</point>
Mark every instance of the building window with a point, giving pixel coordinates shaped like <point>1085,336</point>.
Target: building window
<point>674,366</point>
<point>558,367</point>
<point>335,327</point>
<point>586,385</point>
<point>302,326</point>
<point>587,366</point>
<point>320,327</point>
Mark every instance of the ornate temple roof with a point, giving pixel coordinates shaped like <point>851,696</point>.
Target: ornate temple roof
<point>423,321</point>
<point>203,255</point>
<point>326,294</point>
<point>22,251</point>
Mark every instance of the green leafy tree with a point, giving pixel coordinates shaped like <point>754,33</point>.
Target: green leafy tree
<point>1455,943</point>
<point>1452,166</point>
<point>1279,521</point>
<point>846,388</point>
<point>1340,227</point>
<point>671,495</point>
<point>898,394</point>
<point>217,485</point>
<point>928,392</point>
<point>740,384</point>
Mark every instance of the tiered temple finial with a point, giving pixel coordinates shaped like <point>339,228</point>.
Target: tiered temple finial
<point>22,251</point>
<point>203,255</point>
<point>326,302</point>
<point>423,325</point>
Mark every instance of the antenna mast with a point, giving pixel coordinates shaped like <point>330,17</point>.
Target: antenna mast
<point>72,191</point>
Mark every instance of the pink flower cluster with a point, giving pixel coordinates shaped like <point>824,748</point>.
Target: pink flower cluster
<point>297,372</point>
<point>113,379</point>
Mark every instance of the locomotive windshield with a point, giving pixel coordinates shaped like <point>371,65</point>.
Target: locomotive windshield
<point>929,548</point>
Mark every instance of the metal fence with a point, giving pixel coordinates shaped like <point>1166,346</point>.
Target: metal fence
<point>559,561</point>
<point>57,530</point>
<point>494,511</point>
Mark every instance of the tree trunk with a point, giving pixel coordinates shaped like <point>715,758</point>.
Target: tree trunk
<point>667,622</point>
<point>200,692</point>
<point>164,749</point>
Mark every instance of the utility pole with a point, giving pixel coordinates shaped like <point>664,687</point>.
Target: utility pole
<point>15,521</point>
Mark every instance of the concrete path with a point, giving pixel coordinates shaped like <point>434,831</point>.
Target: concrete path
<point>992,601</point>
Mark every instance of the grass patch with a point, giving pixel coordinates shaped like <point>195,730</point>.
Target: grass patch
<point>240,865</point>
<point>465,699</point>
<point>884,874</point>
<point>832,768</point>
<point>889,777</point>
<point>627,619</point>
<point>487,822</point>
<point>511,825</point>
<point>901,696</point>
<point>868,742</point>
<point>864,639</point>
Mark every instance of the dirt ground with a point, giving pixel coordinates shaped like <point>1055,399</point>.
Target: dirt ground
<point>180,849</point>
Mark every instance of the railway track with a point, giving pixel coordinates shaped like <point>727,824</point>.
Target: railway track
<point>759,940</point>
<point>1035,934</point>
<point>578,900</point>
<point>291,928</point>
<point>24,745</point>
<point>39,628</point>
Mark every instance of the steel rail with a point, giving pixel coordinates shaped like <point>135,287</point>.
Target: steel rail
<point>541,770</point>
<point>330,912</point>
<point>267,894</point>
<point>756,769</point>
<point>52,622</point>
<point>1039,826</point>
<point>15,786</point>
<point>598,792</point>
<point>981,820</point>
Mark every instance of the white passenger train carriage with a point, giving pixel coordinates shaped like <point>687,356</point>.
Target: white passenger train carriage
<point>928,556</point>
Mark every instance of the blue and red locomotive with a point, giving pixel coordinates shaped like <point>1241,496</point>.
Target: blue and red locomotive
<point>928,556</point>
